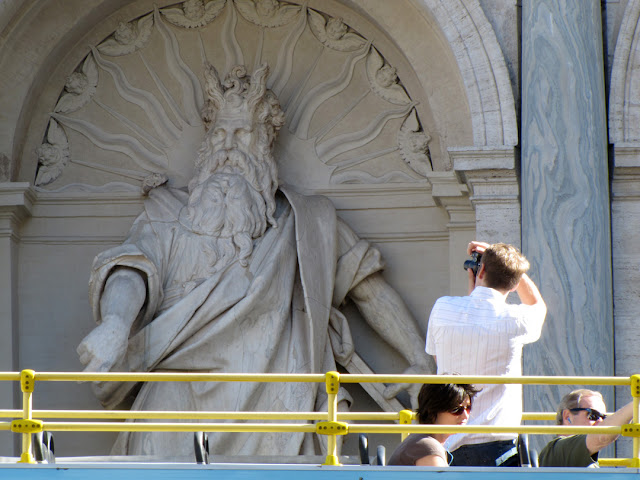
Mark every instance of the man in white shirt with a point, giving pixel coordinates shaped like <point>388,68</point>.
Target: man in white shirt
<point>481,334</point>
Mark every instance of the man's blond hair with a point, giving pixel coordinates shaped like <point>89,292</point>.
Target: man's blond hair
<point>504,266</point>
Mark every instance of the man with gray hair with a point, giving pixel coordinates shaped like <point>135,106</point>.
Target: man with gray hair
<point>582,408</point>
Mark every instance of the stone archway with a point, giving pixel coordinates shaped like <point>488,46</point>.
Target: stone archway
<point>428,158</point>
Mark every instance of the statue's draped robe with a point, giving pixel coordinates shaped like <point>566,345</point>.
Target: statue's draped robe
<point>277,315</point>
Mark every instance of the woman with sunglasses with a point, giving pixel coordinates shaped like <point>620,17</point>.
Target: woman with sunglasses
<point>438,404</point>
<point>582,408</point>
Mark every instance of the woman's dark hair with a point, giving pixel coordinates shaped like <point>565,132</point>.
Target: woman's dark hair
<point>442,397</point>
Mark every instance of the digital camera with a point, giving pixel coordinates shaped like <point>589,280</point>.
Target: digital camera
<point>474,263</point>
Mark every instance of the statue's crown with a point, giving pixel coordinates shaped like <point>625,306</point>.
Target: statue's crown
<point>240,94</point>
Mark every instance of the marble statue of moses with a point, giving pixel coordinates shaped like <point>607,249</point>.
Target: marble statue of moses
<point>238,274</point>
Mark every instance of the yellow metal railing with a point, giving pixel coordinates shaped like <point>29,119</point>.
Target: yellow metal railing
<point>331,423</point>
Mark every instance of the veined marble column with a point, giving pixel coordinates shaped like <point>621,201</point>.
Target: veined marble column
<point>565,192</point>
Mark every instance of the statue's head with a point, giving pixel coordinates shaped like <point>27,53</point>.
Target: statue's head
<point>242,98</point>
<point>242,118</point>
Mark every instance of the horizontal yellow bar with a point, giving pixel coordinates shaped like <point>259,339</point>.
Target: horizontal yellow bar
<point>538,416</point>
<point>128,414</point>
<point>302,427</point>
<point>149,414</point>
<point>533,429</point>
<point>137,414</point>
<point>177,414</point>
<point>180,415</point>
<point>379,416</point>
<point>614,462</point>
<point>177,427</point>
<point>177,377</point>
<point>312,377</point>
<point>489,379</point>
<point>11,413</point>
<point>5,426</point>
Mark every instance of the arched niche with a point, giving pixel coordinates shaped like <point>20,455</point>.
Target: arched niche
<point>445,53</point>
<point>423,147</point>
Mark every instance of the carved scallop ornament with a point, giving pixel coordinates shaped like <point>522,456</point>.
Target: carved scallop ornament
<point>129,117</point>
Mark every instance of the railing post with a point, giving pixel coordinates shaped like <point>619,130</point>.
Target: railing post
<point>27,384</point>
<point>406,417</point>
<point>635,393</point>
<point>332,383</point>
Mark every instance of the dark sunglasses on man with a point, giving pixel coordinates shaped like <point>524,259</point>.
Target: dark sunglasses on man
<point>593,415</point>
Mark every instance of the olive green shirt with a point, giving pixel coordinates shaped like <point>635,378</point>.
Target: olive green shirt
<point>568,452</point>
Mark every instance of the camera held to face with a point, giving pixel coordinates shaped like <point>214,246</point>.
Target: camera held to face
<point>474,263</point>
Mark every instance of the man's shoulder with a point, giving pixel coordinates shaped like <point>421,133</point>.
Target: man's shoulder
<point>479,294</point>
<point>447,304</point>
<point>568,451</point>
<point>452,300</point>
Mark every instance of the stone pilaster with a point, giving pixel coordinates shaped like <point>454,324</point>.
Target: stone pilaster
<point>625,215</point>
<point>16,201</point>
<point>449,193</point>
<point>565,194</point>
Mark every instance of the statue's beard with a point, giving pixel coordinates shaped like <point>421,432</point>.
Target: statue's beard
<point>259,170</point>
<point>229,213</point>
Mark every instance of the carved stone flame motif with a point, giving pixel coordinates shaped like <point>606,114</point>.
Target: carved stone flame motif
<point>130,116</point>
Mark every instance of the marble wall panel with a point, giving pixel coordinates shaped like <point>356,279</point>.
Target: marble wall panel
<point>565,198</point>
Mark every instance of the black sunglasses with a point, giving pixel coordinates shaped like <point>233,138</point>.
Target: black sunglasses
<point>460,409</point>
<point>592,414</point>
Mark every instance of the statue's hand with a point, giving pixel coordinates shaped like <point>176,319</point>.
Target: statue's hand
<point>104,346</point>
<point>412,388</point>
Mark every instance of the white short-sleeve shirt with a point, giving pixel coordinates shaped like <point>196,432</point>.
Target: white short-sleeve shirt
<point>481,334</point>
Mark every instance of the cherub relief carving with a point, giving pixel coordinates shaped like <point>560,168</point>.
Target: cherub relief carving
<point>151,116</point>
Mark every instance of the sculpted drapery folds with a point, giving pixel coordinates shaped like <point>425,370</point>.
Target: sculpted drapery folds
<point>236,275</point>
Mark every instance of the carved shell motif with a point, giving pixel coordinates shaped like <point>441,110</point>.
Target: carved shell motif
<point>128,37</point>
<point>383,80</point>
<point>194,13</point>
<point>334,33</point>
<point>414,145</point>
<point>79,88</point>
<point>348,115</point>
<point>53,155</point>
<point>267,13</point>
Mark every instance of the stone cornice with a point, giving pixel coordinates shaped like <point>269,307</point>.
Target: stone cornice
<point>626,172</point>
<point>385,195</point>
<point>466,159</point>
<point>489,172</point>
<point>626,155</point>
<point>16,204</point>
<point>446,186</point>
